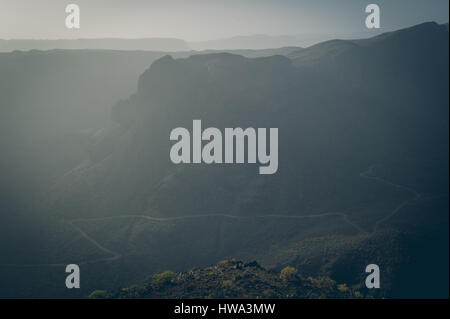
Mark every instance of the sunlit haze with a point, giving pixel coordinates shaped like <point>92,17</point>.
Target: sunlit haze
<point>203,20</point>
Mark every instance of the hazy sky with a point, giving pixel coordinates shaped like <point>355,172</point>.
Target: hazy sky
<point>201,20</point>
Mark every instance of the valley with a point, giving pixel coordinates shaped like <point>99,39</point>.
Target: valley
<point>361,178</point>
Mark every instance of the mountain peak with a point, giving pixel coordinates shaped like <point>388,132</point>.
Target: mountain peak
<point>417,33</point>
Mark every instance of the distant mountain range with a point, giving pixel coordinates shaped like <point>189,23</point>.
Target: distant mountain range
<point>250,42</point>
<point>241,42</point>
<point>152,44</point>
<point>262,41</point>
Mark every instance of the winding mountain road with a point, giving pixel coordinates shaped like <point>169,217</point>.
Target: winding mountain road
<point>416,195</point>
<point>368,174</point>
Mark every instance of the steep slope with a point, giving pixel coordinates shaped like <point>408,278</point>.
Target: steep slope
<point>332,124</point>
